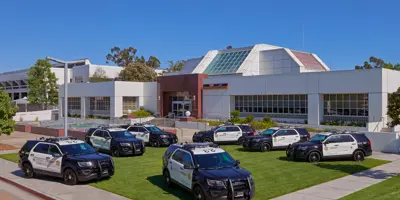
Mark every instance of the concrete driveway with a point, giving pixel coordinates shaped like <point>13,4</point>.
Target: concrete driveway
<point>18,139</point>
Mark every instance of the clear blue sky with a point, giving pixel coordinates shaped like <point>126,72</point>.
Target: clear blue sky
<point>342,32</point>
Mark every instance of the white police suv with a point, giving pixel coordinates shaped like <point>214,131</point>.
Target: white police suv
<point>151,134</point>
<point>220,134</point>
<point>117,141</point>
<point>207,171</point>
<point>64,157</point>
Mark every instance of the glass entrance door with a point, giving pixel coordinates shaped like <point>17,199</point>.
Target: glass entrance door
<point>180,107</point>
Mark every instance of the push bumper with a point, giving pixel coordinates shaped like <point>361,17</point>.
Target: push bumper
<point>196,139</point>
<point>168,141</point>
<point>251,145</point>
<point>294,155</point>
<point>230,192</point>
<point>89,174</point>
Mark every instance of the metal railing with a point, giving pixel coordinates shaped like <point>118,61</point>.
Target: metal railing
<point>382,120</point>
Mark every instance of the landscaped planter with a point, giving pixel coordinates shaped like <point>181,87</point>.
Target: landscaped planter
<point>23,128</point>
<point>54,132</point>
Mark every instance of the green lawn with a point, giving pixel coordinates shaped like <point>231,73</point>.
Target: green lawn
<point>140,177</point>
<point>388,189</point>
<point>13,157</point>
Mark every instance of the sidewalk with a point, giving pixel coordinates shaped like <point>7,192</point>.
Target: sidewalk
<point>10,192</point>
<point>53,187</point>
<point>344,186</point>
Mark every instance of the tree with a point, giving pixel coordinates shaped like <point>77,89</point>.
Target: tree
<point>378,63</point>
<point>7,111</point>
<point>153,62</point>
<point>229,47</point>
<point>99,76</point>
<point>138,72</point>
<point>394,108</point>
<point>42,84</point>
<point>122,57</point>
<point>175,66</point>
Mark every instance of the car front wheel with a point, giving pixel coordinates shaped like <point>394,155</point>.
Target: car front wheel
<point>70,177</point>
<point>167,179</point>
<point>115,152</point>
<point>207,139</point>
<point>155,143</point>
<point>198,193</point>
<point>265,147</point>
<point>314,157</point>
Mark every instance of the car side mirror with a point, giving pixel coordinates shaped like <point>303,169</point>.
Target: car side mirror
<point>237,162</point>
<point>56,155</point>
<point>325,142</point>
<point>187,166</point>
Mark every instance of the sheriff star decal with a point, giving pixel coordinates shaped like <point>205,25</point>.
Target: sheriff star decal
<point>57,163</point>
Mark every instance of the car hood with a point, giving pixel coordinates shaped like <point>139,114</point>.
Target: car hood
<point>225,173</point>
<point>205,132</point>
<point>89,157</point>
<point>163,133</point>
<point>128,139</point>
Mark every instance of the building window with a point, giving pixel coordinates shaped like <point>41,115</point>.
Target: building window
<point>99,103</point>
<point>78,79</point>
<point>274,104</point>
<point>226,63</point>
<point>346,105</point>
<point>74,103</point>
<point>129,103</point>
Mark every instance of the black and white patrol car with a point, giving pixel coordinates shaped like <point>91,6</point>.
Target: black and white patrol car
<point>276,138</point>
<point>151,134</point>
<point>207,171</point>
<point>224,134</point>
<point>117,141</point>
<point>64,157</point>
<point>331,145</point>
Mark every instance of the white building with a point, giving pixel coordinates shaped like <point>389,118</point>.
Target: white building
<point>15,82</point>
<point>260,80</point>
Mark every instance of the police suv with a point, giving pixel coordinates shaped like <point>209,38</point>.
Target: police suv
<point>151,134</point>
<point>117,141</point>
<point>207,171</point>
<point>276,138</point>
<point>331,145</point>
<point>224,134</point>
<point>64,157</point>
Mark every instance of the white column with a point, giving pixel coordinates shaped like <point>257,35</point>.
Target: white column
<point>315,109</point>
<point>83,107</point>
<point>60,106</point>
<point>115,106</point>
<point>377,111</point>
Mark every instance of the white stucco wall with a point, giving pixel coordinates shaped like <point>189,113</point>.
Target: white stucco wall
<point>116,90</point>
<point>277,61</point>
<point>375,82</point>
<point>203,64</point>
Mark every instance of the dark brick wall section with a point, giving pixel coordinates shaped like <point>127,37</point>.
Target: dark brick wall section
<point>54,132</point>
<point>23,128</point>
<point>78,134</point>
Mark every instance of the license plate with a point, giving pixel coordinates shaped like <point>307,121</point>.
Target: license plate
<point>239,194</point>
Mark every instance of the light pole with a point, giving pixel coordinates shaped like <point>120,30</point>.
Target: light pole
<point>65,91</point>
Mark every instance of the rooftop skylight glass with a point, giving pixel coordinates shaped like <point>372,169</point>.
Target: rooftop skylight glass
<point>226,63</point>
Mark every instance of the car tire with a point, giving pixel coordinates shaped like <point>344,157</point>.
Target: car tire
<point>207,139</point>
<point>265,147</point>
<point>155,143</point>
<point>28,170</point>
<point>314,157</point>
<point>358,156</point>
<point>240,141</point>
<point>70,177</point>
<point>115,152</point>
<point>167,179</point>
<point>198,193</point>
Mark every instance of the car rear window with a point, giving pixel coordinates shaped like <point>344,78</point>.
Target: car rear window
<point>246,128</point>
<point>360,137</point>
<point>302,131</point>
<point>29,145</point>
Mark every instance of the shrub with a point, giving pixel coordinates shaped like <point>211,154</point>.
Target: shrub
<point>210,122</point>
<point>260,125</point>
<point>235,114</point>
<point>142,113</point>
<point>314,130</point>
<point>249,119</point>
<point>267,119</point>
<point>36,119</point>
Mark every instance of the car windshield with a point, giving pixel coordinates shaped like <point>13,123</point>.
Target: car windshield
<point>268,131</point>
<point>153,128</point>
<point>214,161</point>
<point>318,138</point>
<point>77,149</point>
<point>121,134</point>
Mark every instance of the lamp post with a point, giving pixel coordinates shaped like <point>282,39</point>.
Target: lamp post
<point>65,90</point>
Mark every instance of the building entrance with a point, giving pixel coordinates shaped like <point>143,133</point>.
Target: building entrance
<point>180,107</point>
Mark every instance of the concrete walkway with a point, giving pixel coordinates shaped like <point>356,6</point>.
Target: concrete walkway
<point>53,187</point>
<point>10,192</point>
<point>344,186</point>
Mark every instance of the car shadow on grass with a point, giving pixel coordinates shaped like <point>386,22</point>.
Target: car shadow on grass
<point>178,192</point>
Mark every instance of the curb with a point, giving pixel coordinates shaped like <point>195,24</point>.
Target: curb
<point>33,192</point>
